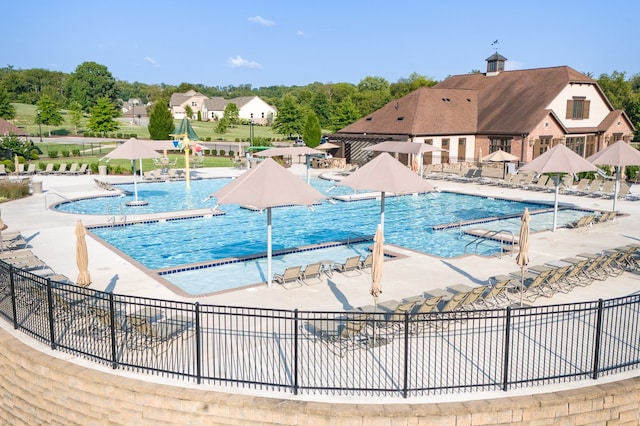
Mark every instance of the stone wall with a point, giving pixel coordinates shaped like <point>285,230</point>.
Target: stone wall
<point>40,389</point>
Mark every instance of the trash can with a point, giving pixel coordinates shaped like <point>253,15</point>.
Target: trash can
<point>102,170</point>
<point>36,187</point>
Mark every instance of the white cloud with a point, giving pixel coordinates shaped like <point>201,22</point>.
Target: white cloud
<point>299,33</point>
<point>239,62</point>
<point>260,20</point>
<point>152,61</point>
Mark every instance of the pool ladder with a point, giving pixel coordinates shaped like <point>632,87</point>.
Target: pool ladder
<point>112,218</point>
<point>488,236</point>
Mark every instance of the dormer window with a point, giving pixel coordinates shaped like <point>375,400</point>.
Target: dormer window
<point>578,108</point>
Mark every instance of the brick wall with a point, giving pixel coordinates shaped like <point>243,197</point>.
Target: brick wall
<point>37,388</point>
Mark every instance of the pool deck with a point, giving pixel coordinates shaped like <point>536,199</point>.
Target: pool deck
<point>51,237</point>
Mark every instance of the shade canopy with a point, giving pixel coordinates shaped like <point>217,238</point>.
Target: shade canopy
<point>403,147</point>
<point>386,174</point>
<point>133,149</point>
<point>265,186</point>
<point>327,145</point>
<point>82,256</point>
<point>288,150</point>
<point>620,154</point>
<point>500,156</point>
<point>559,159</point>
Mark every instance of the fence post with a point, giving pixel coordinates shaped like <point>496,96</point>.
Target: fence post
<point>112,321</point>
<point>507,338</point>
<point>14,307</point>
<point>52,330</point>
<point>596,348</point>
<point>405,372</point>
<point>296,336</point>
<point>198,345</point>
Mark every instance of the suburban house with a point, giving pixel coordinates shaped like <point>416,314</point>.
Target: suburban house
<point>249,107</point>
<point>8,129</point>
<point>523,112</point>
<point>134,110</point>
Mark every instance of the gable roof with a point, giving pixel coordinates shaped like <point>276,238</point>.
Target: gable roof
<point>178,99</point>
<point>421,112</point>
<point>512,102</point>
<point>6,128</point>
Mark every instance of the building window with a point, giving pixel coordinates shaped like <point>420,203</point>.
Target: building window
<point>576,144</point>
<point>496,144</point>
<point>251,115</point>
<point>194,103</point>
<point>577,108</point>
<point>462,150</point>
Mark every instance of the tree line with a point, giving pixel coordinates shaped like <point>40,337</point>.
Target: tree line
<point>333,105</point>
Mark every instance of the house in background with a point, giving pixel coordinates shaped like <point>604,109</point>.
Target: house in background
<point>134,110</point>
<point>524,112</point>
<point>249,107</point>
<point>8,129</point>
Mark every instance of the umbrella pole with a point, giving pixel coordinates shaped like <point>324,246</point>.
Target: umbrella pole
<point>616,187</point>
<point>521,284</point>
<point>135,182</point>
<point>555,206</point>
<point>382,210</point>
<point>269,247</point>
<point>375,309</point>
<point>308,162</point>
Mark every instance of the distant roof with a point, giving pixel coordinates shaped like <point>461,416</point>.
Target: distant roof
<point>6,128</point>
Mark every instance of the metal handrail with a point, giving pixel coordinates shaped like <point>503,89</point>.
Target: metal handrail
<point>54,193</point>
<point>487,236</point>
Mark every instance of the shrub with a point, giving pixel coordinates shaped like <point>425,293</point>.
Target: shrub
<point>34,154</point>
<point>214,152</point>
<point>42,166</point>
<point>222,152</point>
<point>75,152</point>
<point>52,153</point>
<point>207,139</point>
<point>94,168</point>
<point>13,190</point>
<point>231,153</point>
<point>65,153</point>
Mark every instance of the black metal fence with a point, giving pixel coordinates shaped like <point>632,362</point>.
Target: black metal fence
<point>335,353</point>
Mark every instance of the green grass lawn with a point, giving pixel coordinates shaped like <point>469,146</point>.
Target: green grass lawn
<point>26,119</point>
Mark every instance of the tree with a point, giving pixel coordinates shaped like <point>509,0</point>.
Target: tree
<point>222,126</point>
<point>160,122</point>
<point>231,113</point>
<point>49,113</point>
<point>373,94</point>
<point>7,111</point>
<point>322,108</point>
<point>311,133</point>
<point>188,112</point>
<point>102,117</point>
<point>346,113</point>
<point>289,119</point>
<point>19,147</point>
<point>89,82</point>
<point>75,115</point>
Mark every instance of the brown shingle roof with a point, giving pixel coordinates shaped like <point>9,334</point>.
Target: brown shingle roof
<point>7,128</point>
<point>425,111</point>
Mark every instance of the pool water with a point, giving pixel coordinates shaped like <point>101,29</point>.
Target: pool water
<point>240,233</point>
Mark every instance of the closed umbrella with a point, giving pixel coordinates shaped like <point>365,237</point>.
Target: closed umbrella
<point>619,154</point>
<point>82,256</point>
<point>16,164</point>
<point>376,270</point>
<point>522,259</point>
<point>265,186</point>
<point>559,159</point>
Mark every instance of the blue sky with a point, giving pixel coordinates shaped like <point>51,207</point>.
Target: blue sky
<point>265,43</point>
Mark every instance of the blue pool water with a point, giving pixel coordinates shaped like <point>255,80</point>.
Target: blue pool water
<point>409,222</point>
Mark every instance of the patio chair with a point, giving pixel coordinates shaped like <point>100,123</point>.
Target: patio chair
<point>62,169</point>
<point>72,169</point>
<point>31,169</point>
<point>534,285</point>
<point>580,186</point>
<point>312,273</point>
<point>422,316</point>
<point>500,293</point>
<point>583,222</point>
<point>394,319</point>
<point>352,264</point>
<point>158,335</point>
<point>367,262</point>
<point>342,333</point>
<point>576,275</point>
<point>541,184</point>
<point>3,170</point>
<point>290,277</point>
<point>82,170</point>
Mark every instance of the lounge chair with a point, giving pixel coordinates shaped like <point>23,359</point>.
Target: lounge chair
<point>62,169</point>
<point>367,262</point>
<point>422,312</point>
<point>72,169</point>
<point>31,169</point>
<point>341,333</point>
<point>48,169</point>
<point>500,293</point>
<point>290,277</point>
<point>352,264</point>
<point>312,273</point>
<point>534,285</point>
<point>82,170</point>
<point>606,190</point>
<point>541,184</point>
<point>394,318</point>
<point>583,222</point>
<point>3,170</point>
<point>152,334</point>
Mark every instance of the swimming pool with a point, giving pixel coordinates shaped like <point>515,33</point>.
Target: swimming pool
<point>169,245</point>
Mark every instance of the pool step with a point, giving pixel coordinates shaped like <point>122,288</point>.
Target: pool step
<point>501,236</point>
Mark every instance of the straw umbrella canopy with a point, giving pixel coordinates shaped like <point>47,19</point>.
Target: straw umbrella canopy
<point>265,186</point>
<point>291,150</point>
<point>522,259</point>
<point>82,256</point>
<point>502,157</point>
<point>559,159</point>
<point>327,146</point>
<point>386,174</point>
<point>619,154</point>
<point>134,149</point>
<point>399,147</point>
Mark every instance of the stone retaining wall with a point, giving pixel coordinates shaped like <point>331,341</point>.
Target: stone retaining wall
<point>40,389</point>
